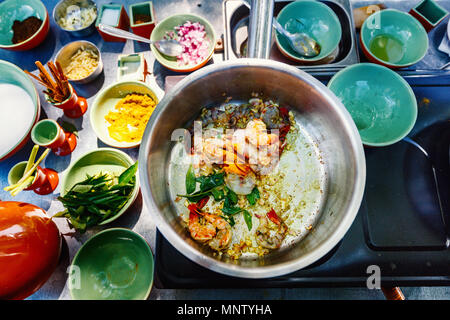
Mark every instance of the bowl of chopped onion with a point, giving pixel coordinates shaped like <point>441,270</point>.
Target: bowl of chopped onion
<point>195,34</point>
<point>81,61</point>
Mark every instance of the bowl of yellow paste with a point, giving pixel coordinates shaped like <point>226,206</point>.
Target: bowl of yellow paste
<point>120,113</point>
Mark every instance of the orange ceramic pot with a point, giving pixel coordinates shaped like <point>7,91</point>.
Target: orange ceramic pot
<point>30,246</point>
<point>74,106</point>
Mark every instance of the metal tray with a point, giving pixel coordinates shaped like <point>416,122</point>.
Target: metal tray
<point>236,21</point>
<point>236,16</point>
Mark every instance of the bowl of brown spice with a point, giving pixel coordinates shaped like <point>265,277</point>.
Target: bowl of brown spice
<point>24,24</point>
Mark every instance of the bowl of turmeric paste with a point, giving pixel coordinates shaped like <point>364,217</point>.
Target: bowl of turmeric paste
<point>120,113</point>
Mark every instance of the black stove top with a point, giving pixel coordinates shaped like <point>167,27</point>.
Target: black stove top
<point>403,225</point>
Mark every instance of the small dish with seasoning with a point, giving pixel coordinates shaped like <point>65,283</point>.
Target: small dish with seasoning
<point>77,17</point>
<point>121,111</point>
<point>81,61</point>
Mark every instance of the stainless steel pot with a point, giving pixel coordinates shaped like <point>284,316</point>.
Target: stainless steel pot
<point>317,110</point>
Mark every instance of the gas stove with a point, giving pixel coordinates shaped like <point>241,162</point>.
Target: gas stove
<point>403,225</point>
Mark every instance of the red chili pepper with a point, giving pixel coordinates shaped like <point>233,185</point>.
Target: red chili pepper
<point>195,208</point>
<point>202,202</point>
<point>273,217</point>
<point>284,112</point>
<point>284,131</point>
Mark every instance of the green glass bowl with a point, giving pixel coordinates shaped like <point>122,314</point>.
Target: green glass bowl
<point>381,103</point>
<point>106,160</point>
<point>401,26</point>
<point>115,264</point>
<point>168,24</point>
<point>319,21</point>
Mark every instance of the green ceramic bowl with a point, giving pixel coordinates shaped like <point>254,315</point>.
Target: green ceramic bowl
<point>408,41</point>
<point>106,160</point>
<point>381,103</point>
<point>169,24</point>
<point>115,264</point>
<point>319,21</point>
<point>107,99</point>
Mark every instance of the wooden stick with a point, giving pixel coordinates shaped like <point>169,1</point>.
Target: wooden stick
<point>37,79</point>
<point>54,72</point>
<point>45,74</point>
<point>64,79</point>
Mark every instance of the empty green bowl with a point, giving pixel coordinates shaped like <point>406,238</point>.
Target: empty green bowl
<point>393,38</point>
<point>381,103</point>
<point>115,264</point>
<point>319,22</point>
<point>168,24</point>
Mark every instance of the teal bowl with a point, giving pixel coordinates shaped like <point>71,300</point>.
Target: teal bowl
<point>381,103</point>
<point>317,21</point>
<point>11,10</point>
<point>393,38</point>
<point>115,264</point>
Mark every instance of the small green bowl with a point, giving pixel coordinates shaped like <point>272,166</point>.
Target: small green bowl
<point>107,99</point>
<point>319,21</point>
<point>400,26</point>
<point>169,24</point>
<point>16,172</point>
<point>106,160</point>
<point>115,264</point>
<point>381,103</point>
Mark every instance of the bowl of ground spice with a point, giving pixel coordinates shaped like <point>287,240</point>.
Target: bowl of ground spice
<point>121,111</point>
<point>24,24</point>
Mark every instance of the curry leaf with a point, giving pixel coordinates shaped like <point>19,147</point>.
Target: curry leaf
<point>211,181</point>
<point>247,219</point>
<point>191,183</point>
<point>253,196</point>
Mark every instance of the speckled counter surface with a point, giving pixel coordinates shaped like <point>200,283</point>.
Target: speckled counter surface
<point>139,219</point>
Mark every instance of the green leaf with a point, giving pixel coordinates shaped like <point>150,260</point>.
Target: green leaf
<point>232,196</point>
<point>247,219</point>
<point>253,196</point>
<point>191,183</point>
<point>81,188</point>
<point>231,210</point>
<point>211,181</point>
<point>128,174</point>
<point>218,194</point>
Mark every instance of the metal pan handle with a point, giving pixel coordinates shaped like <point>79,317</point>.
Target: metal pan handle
<point>260,29</point>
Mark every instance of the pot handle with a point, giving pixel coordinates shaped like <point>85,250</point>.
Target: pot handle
<point>260,29</point>
<point>393,293</point>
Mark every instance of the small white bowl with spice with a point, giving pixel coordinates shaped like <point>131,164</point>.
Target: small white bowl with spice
<point>81,61</point>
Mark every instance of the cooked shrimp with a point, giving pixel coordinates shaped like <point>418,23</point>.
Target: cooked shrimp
<point>241,185</point>
<point>210,228</point>
<point>267,239</point>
